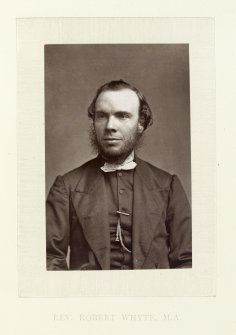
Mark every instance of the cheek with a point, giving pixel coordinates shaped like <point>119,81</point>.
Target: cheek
<point>133,129</point>
<point>98,128</point>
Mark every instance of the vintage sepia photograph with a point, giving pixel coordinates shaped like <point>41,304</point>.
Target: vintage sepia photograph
<point>117,156</point>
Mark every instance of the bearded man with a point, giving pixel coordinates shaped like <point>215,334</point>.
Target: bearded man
<point>117,211</point>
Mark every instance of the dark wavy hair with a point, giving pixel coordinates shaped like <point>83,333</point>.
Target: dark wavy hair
<point>145,113</point>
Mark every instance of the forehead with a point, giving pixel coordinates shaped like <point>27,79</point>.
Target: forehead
<point>122,100</point>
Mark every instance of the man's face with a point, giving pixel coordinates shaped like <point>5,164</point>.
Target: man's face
<point>116,123</point>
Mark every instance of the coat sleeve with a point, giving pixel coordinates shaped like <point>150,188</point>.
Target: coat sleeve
<point>57,226</point>
<point>179,227</point>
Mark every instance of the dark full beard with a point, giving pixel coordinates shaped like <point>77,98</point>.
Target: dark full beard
<point>134,142</point>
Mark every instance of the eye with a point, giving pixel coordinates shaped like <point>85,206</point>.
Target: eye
<point>100,115</point>
<point>123,115</point>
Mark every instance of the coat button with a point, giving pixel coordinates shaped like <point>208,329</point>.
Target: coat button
<point>120,174</point>
<point>121,191</point>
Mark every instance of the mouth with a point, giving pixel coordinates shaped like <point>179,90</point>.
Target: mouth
<point>111,139</point>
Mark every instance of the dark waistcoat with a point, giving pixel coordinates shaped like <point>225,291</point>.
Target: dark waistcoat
<point>119,193</point>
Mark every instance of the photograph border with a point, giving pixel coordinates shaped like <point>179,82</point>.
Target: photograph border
<point>32,35</point>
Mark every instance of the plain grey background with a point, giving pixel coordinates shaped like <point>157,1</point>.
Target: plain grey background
<point>74,72</point>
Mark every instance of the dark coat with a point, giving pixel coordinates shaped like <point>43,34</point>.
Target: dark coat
<point>77,216</point>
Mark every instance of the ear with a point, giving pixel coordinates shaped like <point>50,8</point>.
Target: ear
<point>140,128</point>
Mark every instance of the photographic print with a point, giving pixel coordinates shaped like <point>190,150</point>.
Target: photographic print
<point>118,211</point>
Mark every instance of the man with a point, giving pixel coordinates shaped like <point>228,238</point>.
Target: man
<point>118,211</point>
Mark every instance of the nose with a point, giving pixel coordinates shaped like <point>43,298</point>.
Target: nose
<point>111,123</point>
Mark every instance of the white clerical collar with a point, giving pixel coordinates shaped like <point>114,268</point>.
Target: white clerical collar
<point>128,164</point>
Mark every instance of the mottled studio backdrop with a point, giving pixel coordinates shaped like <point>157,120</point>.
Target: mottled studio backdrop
<point>74,72</point>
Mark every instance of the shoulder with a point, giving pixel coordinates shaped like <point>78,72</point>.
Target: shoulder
<point>71,178</point>
<point>156,178</point>
<point>76,171</point>
<point>154,169</point>
<point>150,171</point>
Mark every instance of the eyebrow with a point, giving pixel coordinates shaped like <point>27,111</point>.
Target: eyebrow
<point>115,112</point>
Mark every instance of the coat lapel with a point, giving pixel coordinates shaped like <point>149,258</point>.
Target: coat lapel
<point>147,212</point>
<point>89,200</point>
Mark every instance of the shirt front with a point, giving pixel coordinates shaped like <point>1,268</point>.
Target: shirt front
<point>119,193</point>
